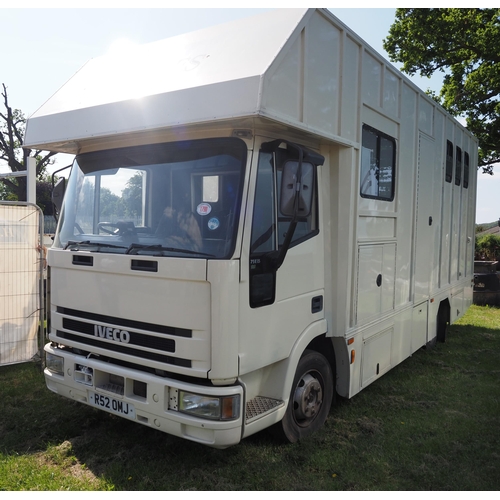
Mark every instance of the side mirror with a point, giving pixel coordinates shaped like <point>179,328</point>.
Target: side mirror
<point>58,193</point>
<point>292,187</point>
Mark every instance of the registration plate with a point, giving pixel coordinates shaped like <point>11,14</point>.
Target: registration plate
<point>112,405</point>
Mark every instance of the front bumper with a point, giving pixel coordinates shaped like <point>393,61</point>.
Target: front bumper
<point>153,398</point>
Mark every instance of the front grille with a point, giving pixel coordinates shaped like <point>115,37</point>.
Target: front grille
<point>144,344</point>
<point>158,343</point>
<point>153,356</point>
<point>126,323</point>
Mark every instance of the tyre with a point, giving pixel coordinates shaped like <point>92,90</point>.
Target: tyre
<point>310,398</point>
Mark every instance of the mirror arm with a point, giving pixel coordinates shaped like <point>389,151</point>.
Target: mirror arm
<point>57,171</point>
<point>298,185</point>
<point>280,258</point>
<point>53,185</point>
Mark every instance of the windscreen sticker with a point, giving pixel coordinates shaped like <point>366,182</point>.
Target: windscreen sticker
<point>203,209</point>
<point>213,223</point>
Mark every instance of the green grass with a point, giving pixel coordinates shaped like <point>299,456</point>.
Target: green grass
<point>432,423</point>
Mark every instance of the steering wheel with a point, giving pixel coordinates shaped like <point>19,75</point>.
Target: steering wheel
<point>116,228</point>
<point>109,227</point>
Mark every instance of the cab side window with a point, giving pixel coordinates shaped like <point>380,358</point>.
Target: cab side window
<point>264,215</point>
<point>269,227</point>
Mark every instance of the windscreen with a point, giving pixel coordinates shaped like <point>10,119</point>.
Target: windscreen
<point>179,199</point>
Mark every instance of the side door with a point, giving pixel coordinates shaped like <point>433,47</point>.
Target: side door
<point>427,222</point>
<point>277,305</point>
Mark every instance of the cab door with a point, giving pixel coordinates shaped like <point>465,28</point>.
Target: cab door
<point>276,306</point>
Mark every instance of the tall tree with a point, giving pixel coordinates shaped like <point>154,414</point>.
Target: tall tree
<point>465,45</point>
<point>12,127</point>
<point>132,196</point>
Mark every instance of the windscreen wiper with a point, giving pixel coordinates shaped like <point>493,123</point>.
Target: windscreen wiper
<point>89,243</point>
<point>135,247</point>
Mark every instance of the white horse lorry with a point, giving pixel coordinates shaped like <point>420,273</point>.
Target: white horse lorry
<point>260,216</point>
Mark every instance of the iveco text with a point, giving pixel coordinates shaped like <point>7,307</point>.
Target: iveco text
<point>106,332</point>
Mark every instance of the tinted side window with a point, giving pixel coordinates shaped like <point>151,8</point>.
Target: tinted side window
<point>378,158</point>
<point>458,167</point>
<point>449,161</point>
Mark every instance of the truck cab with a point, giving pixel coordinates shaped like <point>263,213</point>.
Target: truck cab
<point>170,266</point>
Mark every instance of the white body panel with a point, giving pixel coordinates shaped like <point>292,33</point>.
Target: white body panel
<point>383,268</point>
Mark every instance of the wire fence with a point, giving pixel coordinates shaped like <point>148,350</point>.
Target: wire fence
<point>21,281</point>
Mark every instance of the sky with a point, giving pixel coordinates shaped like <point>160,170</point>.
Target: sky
<point>42,48</point>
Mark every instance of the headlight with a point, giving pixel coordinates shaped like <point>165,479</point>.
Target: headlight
<point>54,363</point>
<point>212,407</point>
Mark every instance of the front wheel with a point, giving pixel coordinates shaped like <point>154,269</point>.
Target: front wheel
<point>310,398</point>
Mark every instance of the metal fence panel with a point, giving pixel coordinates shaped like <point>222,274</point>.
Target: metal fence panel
<point>21,282</point>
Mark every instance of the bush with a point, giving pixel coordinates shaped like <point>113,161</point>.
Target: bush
<point>487,247</point>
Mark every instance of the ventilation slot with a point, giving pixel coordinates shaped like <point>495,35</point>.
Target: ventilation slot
<point>144,265</point>
<point>83,260</point>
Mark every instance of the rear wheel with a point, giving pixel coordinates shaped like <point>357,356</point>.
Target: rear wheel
<point>310,398</point>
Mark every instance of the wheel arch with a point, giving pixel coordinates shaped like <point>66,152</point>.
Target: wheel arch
<point>280,376</point>
<point>285,370</point>
<point>323,345</point>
